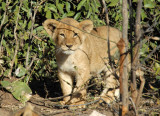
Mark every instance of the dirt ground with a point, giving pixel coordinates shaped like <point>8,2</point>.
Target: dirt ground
<point>43,90</point>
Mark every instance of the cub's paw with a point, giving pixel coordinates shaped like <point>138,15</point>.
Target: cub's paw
<point>110,96</point>
<point>62,102</point>
<point>76,105</point>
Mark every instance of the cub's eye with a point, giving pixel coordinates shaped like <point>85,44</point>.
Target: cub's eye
<point>75,35</point>
<point>62,35</point>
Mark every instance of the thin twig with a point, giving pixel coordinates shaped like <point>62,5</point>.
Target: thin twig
<point>4,15</point>
<point>31,33</point>
<point>17,45</point>
<point>140,90</point>
<point>149,55</point>
<point>1,44</point>
<point>31,36</point>
<point>33,59</point>
<point>36,37</point>
<point>134,106</point>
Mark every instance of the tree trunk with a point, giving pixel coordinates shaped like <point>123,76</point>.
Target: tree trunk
<point>136,52</point>
<point>123,61</point>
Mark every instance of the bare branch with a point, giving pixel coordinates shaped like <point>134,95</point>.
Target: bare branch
<point>124,59</point>
<point>17,45</point>
<point>136,52</point>
<point>4,15</point>
<point>106,12</point>
<point>134,106</point>
<point>1,44</point>
<point>31,33</point>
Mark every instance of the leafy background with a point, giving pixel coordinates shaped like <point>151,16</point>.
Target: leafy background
<point>27,52</point>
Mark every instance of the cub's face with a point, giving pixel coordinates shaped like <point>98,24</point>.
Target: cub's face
<point>68,39</point>
<point>68,34</point>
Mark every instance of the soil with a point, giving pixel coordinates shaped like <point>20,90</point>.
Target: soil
<point>44,90</point>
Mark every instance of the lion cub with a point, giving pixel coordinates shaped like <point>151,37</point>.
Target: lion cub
<point>81,54</point>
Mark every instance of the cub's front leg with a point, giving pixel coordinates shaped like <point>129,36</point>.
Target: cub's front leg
<point>66,82</point>
<point>80,92</point>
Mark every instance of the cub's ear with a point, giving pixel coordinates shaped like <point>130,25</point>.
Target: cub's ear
<point>50,25</point>
<point>87,25</point>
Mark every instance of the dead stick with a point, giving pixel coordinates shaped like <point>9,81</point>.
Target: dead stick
<point>123,94</point>
<point>140,90</point>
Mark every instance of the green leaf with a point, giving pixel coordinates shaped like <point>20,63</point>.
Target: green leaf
<point>20,71</point>
<point>114,2</point>
<point>57,2</point>
<point>6,46</point>
<point>25,4</point>
<point>3,5</point>
<point>97,3</point>
<point>149,5</point>
<point>52,7</point>
<point>135,0</point>
<point>143,14</point>
<point>24,9</point>
<point>71,13</point>
<point>157,71</point>
<point>153,45</point>
<point>89,12</point>
<point>29,24</point>
<point>60,8</point>
<point>68,6</point>
<point>26,36</point>
<point>64,15</point>
<point>81,4</point>
<point>19,90</point>
<point>117,17</point>
<point>6,72</point>
<point>87,6</point>
<point>48,14</point>
<point>95,6</point>
<point>56,16</point>
<point>5,83</point>
<point>6,32</point>
<point>39,28</point>
<point>157,77</point>
<point>157,65</point>
<point>46,8</point>
<point>76,17</point>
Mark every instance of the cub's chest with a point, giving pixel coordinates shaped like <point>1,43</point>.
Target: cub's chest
<point>67,64</point>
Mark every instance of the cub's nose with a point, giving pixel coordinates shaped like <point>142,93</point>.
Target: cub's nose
<point>69,46</point>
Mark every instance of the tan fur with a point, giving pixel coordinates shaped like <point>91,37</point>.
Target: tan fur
<point>80,55</point>
<point>27,111</point>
